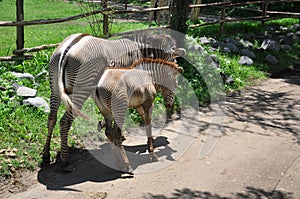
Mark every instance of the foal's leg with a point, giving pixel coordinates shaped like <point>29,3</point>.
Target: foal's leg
<point>119,149</point>
<point>114,133</point>
<point>145,112</point>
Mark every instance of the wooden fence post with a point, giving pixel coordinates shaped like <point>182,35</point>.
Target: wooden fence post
<point>264,10</point>
<point>222,20</point>
<point>105,18</point>
<point>126,4</point>
<point>20,28</point>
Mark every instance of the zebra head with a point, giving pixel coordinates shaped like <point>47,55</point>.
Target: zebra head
<point>157,46</point>
<point>163,47</point>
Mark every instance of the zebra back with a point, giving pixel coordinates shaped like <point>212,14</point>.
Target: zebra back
<point>163,73</point>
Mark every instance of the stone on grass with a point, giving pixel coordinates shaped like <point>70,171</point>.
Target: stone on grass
<point>292,38</point>
<point>23,75</point>
<point>271,59</point>
<point>229,80</point>
<point>37,102</point>
<point>231,40</point>
<point>246,43</point>
<point>232,47</point>
<point>269,44</point>
<point>26,92</point>
<point>295,27</point>
<point>44,72</point>
<point>286,47</point>
<point>15,86</point>
<point>244,60</point>
<point>204,40</point>
<point>217,44</point>
<point>248,53</point>
<point>226,50</point>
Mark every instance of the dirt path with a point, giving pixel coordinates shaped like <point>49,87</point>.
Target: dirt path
<point>258,156</point>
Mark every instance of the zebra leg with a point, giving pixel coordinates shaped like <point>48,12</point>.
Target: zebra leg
<point>119,150</point>
<point>79,97</point>
<point>119,108</point>
<point>65,125</point>
<point>169,102</point>
<point>115,136</point>
<point>145,112</point>
<point>52,118</point>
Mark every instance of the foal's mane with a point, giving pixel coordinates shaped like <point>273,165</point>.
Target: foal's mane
<point>173,65</point>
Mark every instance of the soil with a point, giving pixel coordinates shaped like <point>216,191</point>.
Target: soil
<point>257,156</point>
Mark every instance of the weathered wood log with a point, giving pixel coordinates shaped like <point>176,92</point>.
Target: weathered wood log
<point>37,48</point>
<point>48,21</point>
<point>16,58</point>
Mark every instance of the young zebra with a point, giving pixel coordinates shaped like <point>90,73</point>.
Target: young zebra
<point>133,87</point>
<point>76,67</point>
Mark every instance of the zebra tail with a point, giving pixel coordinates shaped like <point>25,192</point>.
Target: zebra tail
<point>61,87</point>
<point>71,107</point>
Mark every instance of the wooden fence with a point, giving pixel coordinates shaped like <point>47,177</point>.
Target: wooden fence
<point>20,23</point>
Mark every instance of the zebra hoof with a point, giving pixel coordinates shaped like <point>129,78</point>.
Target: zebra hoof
<point>45,160</point>
<point>127,175</point>
<point>44,164</point>
<point>66,167</point>
<point>153,157</point>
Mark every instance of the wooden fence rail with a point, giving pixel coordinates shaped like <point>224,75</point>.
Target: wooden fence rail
<point>20,23</point>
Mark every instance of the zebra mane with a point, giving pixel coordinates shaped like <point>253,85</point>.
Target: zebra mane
<point>172,65</point>
<point>150,39</point>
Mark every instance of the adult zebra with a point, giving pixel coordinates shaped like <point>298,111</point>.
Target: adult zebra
<point>77,65</point>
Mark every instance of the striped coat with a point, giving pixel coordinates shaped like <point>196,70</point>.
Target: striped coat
<point>135,87</point>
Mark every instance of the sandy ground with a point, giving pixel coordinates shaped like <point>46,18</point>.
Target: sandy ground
<point>258,156</point>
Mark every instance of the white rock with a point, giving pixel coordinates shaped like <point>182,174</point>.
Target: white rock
<point>37,102</point>
<point>244,60</point>
<point>26,92</point>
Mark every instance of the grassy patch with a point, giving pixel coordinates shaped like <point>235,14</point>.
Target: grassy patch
<point>245,75</point>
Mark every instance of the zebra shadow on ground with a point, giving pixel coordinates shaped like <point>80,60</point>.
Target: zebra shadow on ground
<point>87,167</point>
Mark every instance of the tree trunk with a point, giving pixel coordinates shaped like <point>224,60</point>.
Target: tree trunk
<point>195,11</point>
<point>180,11</point>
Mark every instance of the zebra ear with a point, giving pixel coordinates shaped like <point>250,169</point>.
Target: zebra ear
<point>112,63</point>
<point>151,56</point>
<point>179,52</point>
<point>178,70</point>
